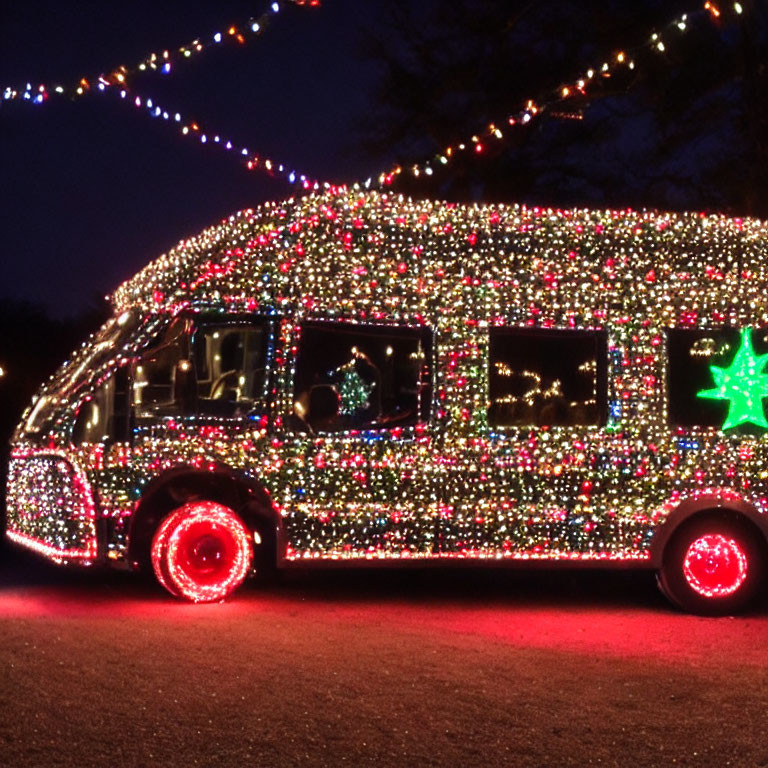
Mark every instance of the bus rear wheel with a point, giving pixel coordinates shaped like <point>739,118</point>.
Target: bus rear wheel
<point>202,552</point>
<point>712,567</point>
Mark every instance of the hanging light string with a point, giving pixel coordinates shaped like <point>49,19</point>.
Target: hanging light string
<point>251,160</point>
<point>533,108</point>
<point>558,104</point>
<point>564,99</point>
<point>192,128</point>
<point>119,80</point>
<point>162,62</point>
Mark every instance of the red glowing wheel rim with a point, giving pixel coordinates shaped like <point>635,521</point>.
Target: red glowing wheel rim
<point>159,547</point>
<point>715,565</point>
<point>202,552</point>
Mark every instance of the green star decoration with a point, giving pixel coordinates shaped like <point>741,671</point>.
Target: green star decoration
<point>744,383</point>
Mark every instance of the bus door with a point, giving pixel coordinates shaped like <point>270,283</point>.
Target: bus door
<point>359,446</point>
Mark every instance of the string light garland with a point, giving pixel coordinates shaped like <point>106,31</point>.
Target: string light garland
<point>119,81</point>
<point>251,160</point>
<point>454,484</point>
<point>556,104</point>
<point>162,62</point>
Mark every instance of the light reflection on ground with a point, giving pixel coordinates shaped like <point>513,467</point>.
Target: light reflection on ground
<point>613,614</point>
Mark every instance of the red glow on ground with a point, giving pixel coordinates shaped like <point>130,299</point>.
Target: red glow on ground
<point>637,625</point>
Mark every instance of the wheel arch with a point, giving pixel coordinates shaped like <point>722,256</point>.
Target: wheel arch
<point>727,505</point>
<point>215,482</point>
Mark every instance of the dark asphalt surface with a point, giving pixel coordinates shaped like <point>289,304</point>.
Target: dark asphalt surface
<point>417,667</point>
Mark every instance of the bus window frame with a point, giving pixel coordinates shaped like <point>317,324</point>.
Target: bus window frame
<point>121,417</point>
<point>296,424</point>
<point>262,403</point>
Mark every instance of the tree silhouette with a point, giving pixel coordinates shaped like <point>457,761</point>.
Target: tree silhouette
<point>687,128</point>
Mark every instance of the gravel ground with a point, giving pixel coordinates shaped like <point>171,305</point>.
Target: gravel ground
<point>450,667</point>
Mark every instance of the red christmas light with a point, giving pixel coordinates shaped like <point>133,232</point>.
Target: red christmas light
<point>202,552</point>
<point>715,566</point>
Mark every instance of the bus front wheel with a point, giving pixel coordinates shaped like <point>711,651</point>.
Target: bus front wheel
<point>202,552</point>
<point>712,567</point>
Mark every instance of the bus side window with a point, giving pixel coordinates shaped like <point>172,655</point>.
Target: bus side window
<point>103,416</point>
<point>93,423</point>
<point>159,375</point>
<point>230,367</point>
<point>359,377</point>
<point>547,377</point>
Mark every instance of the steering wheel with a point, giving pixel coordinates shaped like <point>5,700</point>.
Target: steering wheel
<point>222,383</point>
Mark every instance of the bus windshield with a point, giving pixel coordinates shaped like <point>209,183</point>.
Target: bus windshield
<point>103,346</point>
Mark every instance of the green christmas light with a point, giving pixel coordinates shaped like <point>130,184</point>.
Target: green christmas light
<point>744,383</point>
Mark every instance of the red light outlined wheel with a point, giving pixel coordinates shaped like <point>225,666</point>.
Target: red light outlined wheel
<point>159,546</point>
<point>713,566</point>
<point>202,552</point>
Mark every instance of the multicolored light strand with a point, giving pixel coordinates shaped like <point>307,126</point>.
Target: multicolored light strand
<point>561,100</point>
<point>251,160</point>
<point>162,62</point>
<point>557,104</point>
<point>119,80</point>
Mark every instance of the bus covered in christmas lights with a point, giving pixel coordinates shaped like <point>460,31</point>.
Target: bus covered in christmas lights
<point>360,378</point>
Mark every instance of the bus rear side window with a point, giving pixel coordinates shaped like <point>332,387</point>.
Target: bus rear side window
<point>692,353</point>
<point>547,377</point>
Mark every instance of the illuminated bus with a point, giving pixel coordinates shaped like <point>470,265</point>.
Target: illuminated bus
<point>359,378</point>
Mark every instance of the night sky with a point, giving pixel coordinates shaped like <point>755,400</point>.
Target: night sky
<point>92,189</point>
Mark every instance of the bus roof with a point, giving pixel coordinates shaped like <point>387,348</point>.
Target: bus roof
<point>373,256</point>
